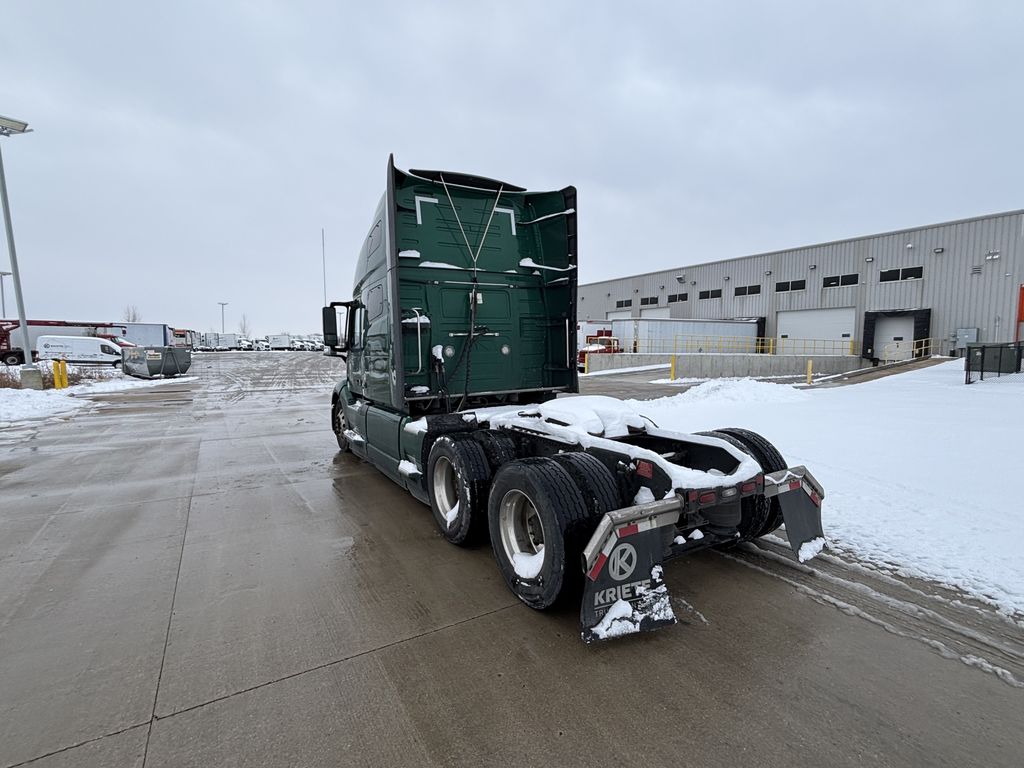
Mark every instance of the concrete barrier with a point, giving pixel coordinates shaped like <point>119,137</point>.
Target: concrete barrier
<point>716,366</point>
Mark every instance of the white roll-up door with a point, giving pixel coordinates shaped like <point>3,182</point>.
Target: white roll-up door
<point>894,338</point>
<point>662,312</point>
<point>816,331</point>
<point>620,314</point>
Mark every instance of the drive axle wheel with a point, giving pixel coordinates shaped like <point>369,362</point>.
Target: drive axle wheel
<point>768,456</point>
<point>457,481</point>
<point>539,526</point>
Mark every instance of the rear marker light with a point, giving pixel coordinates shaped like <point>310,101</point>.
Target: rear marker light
<point>708,498</point>
<point>794,485</point>
<point>628,530</point>
<point>748,487</point>
<point>645,469</point>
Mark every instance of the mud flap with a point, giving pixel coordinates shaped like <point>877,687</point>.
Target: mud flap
<point>799,496</point>
<point>624,592</point>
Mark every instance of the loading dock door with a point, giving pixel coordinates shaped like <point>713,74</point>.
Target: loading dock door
<point>894,338</point>
<point>621,314</point>
<point>660,312</point>
<point>816,331</point>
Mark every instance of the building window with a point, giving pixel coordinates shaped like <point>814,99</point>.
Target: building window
<point>790,285</point>
<point>648,300</point>
<point>674,297</point>
<point>837,280</point>
<point>747,290</point>
<point>623,303</point>
<point>888,275</point>
<point>715,294</point>
<point>907,273</point>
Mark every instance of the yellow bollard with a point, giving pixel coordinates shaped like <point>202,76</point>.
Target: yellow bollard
<point>586,362</point>
<point>63,374</point>
<point>809,368</point>
<point>56,374</point>
<point>672,373</point>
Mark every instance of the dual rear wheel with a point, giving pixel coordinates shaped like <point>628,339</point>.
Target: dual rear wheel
<point>538,512</point>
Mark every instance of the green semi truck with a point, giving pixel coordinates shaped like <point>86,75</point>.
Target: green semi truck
<point>459,342</point>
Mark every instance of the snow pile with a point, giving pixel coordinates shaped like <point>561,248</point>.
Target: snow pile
<point>810,549</point>
<point>27,404</point>
<point>743,391</point>
<point>918,469</point>
<point>18,405</point>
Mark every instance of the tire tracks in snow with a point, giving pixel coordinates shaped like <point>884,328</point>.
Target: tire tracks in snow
<point>947,623</point>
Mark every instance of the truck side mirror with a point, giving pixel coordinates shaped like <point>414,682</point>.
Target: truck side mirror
<point>331,325</point>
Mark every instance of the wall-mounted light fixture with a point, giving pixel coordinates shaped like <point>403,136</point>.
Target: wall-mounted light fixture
<point>909,246</point>
<point>609,295</point>
<point>661,287</point>
<point>869,259</point>
<point>813,266</point>
<point>726,277</point>
<point>693,282</point>
<point>992,256</point>
<point>767,272</point>
<point>680,278</point>
<point>938,250</point>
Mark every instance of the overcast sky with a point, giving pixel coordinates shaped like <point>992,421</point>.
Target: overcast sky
<point>190,152</point>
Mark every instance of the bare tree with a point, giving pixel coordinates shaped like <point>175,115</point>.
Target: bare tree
<point>131,314</point>
<point>243,326</point>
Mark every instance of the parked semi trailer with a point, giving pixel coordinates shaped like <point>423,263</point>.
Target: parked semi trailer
<point>11,352</point>
<point>459,338</point>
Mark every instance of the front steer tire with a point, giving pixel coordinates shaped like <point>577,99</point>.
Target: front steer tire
<point>458,477</point>
<point>338,425</point>
<point>535,502</point>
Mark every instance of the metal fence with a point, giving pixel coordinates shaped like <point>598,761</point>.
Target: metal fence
<point>992,361</point>
<point>680,345</point>
<point>895,351</point>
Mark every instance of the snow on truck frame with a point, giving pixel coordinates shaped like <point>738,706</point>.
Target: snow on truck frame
<point>459,338</point>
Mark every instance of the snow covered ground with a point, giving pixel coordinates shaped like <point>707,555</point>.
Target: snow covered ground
<point>920,471</point>
<point>21,405</point>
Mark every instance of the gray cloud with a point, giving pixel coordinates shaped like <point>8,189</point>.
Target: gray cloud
<point>191,153</point>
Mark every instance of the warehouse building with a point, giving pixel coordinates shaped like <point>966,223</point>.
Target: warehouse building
<point>915,291</point>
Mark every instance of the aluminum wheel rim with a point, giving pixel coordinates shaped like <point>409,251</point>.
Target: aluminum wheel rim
<point>446,492</point>
<point>522,530</point>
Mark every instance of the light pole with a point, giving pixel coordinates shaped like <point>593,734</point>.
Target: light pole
<point>11,127</point>
<point>222,305</point>
<point>3,299</point>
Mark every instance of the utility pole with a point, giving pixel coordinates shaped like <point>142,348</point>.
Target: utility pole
<point>323,256</point>
<point>30,375</point>
<point>222,305</point>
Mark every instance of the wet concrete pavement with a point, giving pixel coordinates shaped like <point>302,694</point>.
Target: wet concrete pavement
<point>190,575</point>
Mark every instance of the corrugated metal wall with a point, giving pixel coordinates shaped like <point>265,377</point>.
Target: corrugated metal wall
<point>972,273</point>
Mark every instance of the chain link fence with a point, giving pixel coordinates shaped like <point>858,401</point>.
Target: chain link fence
<point>985,362</point>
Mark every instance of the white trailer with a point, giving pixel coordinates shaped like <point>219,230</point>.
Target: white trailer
<point>149,334</point>
<point>280,341</point>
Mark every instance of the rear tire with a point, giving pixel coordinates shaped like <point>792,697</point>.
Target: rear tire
<point>768,456</point>
<point>458,478</point>
<point>595,481</point>
<point>539,525</point>
<point>499,448</point>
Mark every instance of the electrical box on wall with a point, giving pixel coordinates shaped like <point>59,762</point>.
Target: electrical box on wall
<point>965,336</point>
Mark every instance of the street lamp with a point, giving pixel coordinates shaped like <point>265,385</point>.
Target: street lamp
<point>222,305</point>
<point>3,299</point>
<point>11,127</point>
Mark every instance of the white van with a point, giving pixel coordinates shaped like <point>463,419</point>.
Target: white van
<point>79,349</point>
